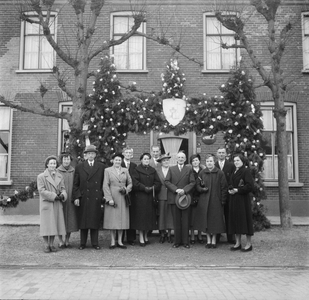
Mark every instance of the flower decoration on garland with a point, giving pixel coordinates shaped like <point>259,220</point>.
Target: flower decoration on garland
<point>24,195</point>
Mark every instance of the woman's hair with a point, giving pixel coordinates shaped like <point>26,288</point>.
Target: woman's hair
<point>117,155</point>
<point>209,155</point>
<point>193,156</point>
<point>65,154</point>
<point>242,158</point>
<point>145,154</point>
<point>50,158</point>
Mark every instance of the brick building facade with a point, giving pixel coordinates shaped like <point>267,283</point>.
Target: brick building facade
<point>30,137</point>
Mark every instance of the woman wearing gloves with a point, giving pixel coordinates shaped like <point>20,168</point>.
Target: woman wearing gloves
<point>52,194</point>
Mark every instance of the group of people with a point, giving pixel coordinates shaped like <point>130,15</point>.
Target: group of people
<point>185,198</point>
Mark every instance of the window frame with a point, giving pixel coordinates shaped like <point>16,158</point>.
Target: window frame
<point>305,15</point>
<point>144,26</point>
<point>60,124</point>
<point>295,181</point>
<point>237,50</point>
<point>9,181</point>
<point>21,68</point>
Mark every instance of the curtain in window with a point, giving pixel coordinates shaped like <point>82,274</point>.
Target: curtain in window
<point>136,52</point>
<point>5,118</point>
<point>3,167</point>
<point>172,146</point>
<point>306,41</point>
<point>46,54</point>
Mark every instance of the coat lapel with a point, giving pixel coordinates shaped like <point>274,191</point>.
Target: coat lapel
<point>54,182</point>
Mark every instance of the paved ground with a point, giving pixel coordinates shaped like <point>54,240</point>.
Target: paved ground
<point>96,283</point>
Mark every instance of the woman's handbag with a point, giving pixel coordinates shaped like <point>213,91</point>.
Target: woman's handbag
<point>127,198</point>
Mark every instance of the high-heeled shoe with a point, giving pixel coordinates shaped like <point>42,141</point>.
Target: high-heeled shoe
<point>208,246</point>
<point>200,240</point>
<point>247,250</point>
<point>142,244</point>
<point>162,239</point>
<point>169,239</point>
<point>235,248</point>
<point>192,242</point>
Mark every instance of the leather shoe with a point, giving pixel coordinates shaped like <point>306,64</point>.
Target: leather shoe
<point>96,247</point>
<point>208,246</point>
<point>82,247</point>
<point>176,245</point>
<point>53,249</point>
<point>200,240</point>
<point>112,247</point>
<point>213,246</point>
<point>187,246</point>
<point>147,242</point>
<point>247,250</point>
<point>131,243</point>
<point>142,244</point>
<point>122,246</point>
<point>46,249</point>
<point>192,242</point>
<point>235,248</point>
<point>169,239</point>
<point>162,239</point>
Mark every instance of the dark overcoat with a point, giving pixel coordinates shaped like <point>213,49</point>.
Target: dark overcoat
<point>240,215</point>
<point>88,187</point>
<point>69,209</point>
<point>143,211</point>
<point>209,213</point>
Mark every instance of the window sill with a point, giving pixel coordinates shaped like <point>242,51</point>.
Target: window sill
<point>305,71</point>
<point>8,182</point>
<point>215,71</point>
<point>133,71</point>
<point>33,71</point>
<point>275,184</point>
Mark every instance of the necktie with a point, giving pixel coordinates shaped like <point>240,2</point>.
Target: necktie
<point>91,164</point>
<point>128,165</point>
<point>180,168</point>
<point>221,165</point>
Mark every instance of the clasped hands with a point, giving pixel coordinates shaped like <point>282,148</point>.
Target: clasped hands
<point>180,192</point>
<point>122,190</point>
<point>59,197</point>
<point>148,189</point>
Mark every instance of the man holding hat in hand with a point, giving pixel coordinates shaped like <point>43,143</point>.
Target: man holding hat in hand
<point>179,182</point>
<point>88,195</point>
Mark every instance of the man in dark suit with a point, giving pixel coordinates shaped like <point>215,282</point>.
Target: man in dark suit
<point>180,180</point>
<point>228,169</point>
<point>126,163</point>
<point>88,195</point>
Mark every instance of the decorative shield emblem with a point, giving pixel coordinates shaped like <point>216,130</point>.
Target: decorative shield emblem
<point>174,110</point>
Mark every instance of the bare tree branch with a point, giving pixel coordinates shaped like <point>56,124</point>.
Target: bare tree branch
<point>43,112</point>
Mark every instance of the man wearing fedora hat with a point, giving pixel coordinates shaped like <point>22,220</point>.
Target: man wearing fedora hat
<point>180,182</point>
<point>88,195</point>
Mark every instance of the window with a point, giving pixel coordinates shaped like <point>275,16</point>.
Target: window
<point>130,55</point>
<point>36,52</point>
<point>305,37</point>
<point>215,57</point>
<point>270,145</point>
<point>5,143</point>
<point>64,126</point>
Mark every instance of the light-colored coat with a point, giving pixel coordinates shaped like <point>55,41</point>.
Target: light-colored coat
<point>69,209</point>
<point>51,211</point>
<point>118,217</point>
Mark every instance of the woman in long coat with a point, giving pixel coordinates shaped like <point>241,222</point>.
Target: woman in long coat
<point>146,183</point>
<point>240,214</point>
<point>213,188</point>
<point>69,209</point>
<point>117,183</point>
<point>165,221</point>
<point>52,193</point>
<point>195,161</point>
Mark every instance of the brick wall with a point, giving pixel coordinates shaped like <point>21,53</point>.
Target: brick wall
<point>35,137</point>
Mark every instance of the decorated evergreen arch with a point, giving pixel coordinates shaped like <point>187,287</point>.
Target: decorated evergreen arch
<point>112,112</point>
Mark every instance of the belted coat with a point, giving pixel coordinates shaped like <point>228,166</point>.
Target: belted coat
<point>88,188</point>
<point>51,211</point>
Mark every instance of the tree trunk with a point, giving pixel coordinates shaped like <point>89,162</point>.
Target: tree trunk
<point>282,146</point>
